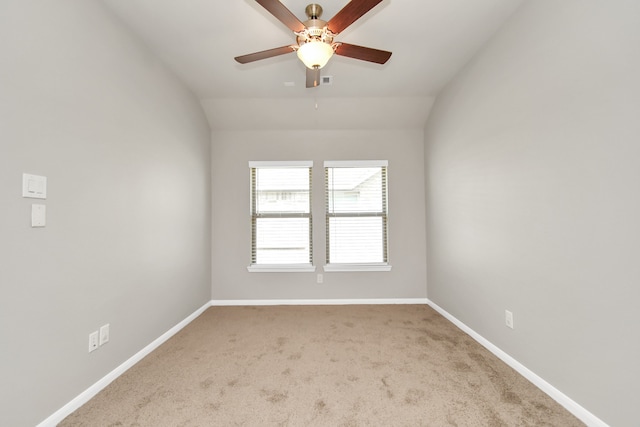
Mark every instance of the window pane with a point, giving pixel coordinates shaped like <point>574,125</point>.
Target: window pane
<point>355,190</point>
<point>356,240</point>
<point>282,240</point>
<point>282,190</point>
<point>356,203</point>
<point>280,214</point>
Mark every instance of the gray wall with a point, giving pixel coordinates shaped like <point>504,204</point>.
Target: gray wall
<point>232,150</point>
<point>532,164</point>
<point>126,150</point>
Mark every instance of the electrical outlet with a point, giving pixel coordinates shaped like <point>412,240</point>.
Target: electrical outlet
<point>93,341</point>
<point>508,318</point>
<point>104,334</point>
<point>320,278</point>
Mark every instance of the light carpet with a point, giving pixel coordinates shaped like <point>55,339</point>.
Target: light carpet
<point>364,365</point>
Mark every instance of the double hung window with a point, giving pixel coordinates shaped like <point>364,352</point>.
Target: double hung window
<point>356,215</point>
<point>281,223</point>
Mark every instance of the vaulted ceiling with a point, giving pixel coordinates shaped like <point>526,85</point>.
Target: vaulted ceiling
<point>431,41</point>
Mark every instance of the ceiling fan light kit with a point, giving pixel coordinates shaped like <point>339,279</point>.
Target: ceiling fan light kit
<point>315,54</point>
<point>314,37</point>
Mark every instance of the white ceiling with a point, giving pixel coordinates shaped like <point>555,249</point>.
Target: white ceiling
<point>430,40</point>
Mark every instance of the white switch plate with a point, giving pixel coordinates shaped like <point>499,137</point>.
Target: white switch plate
<point>104,334</point>
<point>34,186</point>
<point>320,278</point>
<point>38,215</point>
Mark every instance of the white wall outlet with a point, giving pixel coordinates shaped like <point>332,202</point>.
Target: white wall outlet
<point>508,319</point>
<point>320,278</point>
<point>38,215</point>
<point>93,341</point>
<point>104,334</point>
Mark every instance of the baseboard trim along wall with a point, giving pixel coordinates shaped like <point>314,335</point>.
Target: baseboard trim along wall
<point>86,395</point>
<point>89,393</point>
<point>573,407</point>
<point>581,413</point>
<point>373,301</point>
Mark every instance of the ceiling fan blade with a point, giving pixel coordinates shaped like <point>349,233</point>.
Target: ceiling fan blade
<point>363,53</point>
<point>264,54</point>
<point>313,77</point>
<point>350,14</point>
<point>283,14</point>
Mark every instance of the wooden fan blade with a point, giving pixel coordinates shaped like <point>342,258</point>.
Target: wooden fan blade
<point>283,14</point>
<point>264,54</point>
<point>363,53</point>
<point>350,14</point>
<point>313,77</point>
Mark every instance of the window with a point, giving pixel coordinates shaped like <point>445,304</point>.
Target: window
<point>281,225</point>
<point>356,215</point>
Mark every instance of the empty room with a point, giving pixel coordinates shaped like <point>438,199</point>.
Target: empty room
<point>364,212</point>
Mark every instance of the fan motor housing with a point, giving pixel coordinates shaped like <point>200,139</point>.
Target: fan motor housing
<point>315,28</point>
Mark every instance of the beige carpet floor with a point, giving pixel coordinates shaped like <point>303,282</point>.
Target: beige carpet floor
<point>377,365</point>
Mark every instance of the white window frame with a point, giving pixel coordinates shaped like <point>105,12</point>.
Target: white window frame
<point>281,268</point>
<point>374,266</point>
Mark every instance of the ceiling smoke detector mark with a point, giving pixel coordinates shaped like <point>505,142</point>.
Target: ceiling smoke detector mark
<point>289,84</point>
<point>326,80</point>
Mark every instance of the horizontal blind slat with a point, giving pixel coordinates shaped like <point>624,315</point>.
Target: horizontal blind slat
<point>356,214</point>
<point>283,215</point>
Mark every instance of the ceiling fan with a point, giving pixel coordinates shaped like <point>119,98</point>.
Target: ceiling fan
<point>314,37</point>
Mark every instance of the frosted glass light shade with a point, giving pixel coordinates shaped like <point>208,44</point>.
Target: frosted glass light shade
<point>315,54</point>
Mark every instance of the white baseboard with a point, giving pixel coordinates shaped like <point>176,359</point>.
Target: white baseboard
<point>374,301</point>
<point>86,395</point>
<point>89,393</point>
<point>581,413</point>
<point>573,407</point>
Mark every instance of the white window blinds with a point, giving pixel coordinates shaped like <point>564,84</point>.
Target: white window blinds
<point>281,225</point>
<point>356,212</point>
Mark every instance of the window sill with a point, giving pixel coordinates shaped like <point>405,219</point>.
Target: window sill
<point>281,268</point>
<point>357,267</point>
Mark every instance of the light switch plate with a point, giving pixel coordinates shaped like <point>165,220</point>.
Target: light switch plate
<point>104,334</point>
<point>38,215</point>
<point>34,186</point>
